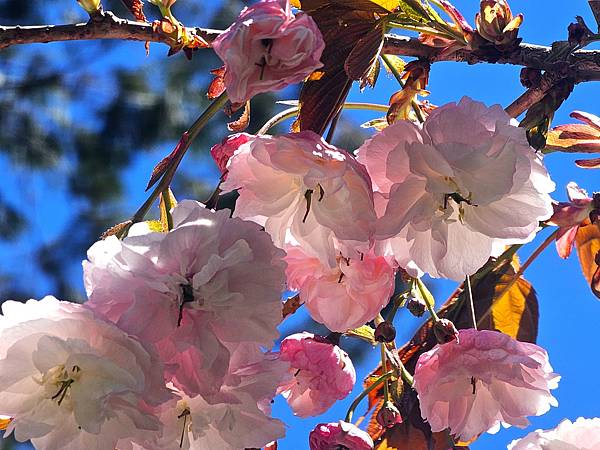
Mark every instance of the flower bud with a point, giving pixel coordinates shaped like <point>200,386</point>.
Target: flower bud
<point>445,331</point>
<point>91,6</point>
<point>385,332</point>
<point>388,415</point>
<point>416,306</point>
<point>496,24</point>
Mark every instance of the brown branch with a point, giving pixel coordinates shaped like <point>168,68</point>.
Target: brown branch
<point>582,65</point>
<point>532,95</point>
<point>102,26</point>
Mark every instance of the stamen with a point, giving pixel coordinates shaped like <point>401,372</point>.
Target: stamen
<point>474,384</point>
<point>341,277</point>
<point>321,192</point>
<point>308,196</point>
<point>185,413</point>
<point>62,392</point>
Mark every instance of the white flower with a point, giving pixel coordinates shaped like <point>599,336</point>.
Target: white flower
<point>210,281</point>
<point>461,185</point>
<point>583,434</point>
<point>237,418</point>
<point>72,381</point>
<point>305,192</point>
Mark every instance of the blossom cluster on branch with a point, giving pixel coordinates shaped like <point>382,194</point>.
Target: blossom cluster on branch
<point>176,345</point>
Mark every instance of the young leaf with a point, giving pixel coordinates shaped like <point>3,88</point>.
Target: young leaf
<point>116,230</point>
<point>587,243</point>
<point>165,205</point>
<point>353,32</point>
<point>136,7</point>
<point>576,138</point>
<point>365,333</point>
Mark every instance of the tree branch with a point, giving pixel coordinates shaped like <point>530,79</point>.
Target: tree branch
<point>531,96</point>
<point>582,65</point>
<point>104,26</point>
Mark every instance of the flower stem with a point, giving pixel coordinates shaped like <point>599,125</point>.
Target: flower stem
<point>424,294</point>
<point>293,111</point>
<point>471,303</point>
<point>386,391</point>
<point>166,179</point>
<point>366,392</point>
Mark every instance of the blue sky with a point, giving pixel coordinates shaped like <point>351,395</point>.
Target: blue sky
<point>568,310</point>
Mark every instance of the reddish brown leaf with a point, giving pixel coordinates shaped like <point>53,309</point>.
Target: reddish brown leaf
<point>587,243</point>
<point>593,163</point>
<point>239,125</point>
<point>291,305</point>
<point>160,169</point>
<point>365,54</point>
<point>353,34</point>
<point>136,7</point>
<point>217,85</point>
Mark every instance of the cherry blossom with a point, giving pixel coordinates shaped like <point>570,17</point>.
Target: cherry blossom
<point>484,379</point>
<point>305,192</point>
<point>583,434</point>
<point>339,435</point>
<point>237,418</point>
<point>455,188</point>
<point>72,381</point>
<point>210,281</point>
<point>268,48</point>
<point>346,296</point>
<point>323,373</point>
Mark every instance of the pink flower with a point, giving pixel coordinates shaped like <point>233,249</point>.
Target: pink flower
<point>323,373</point>
<point>72,381</point>
<point>583,434</point>
<point>485,378</point>
<point>455,188</point>
<point>333,436</point>
<point>223,151</point>
<point>304,192</point>
<point>345,296</point>
<point>569,216</point>
<point>210,282</point>
<point>238,417</point>
<point>268,48</point>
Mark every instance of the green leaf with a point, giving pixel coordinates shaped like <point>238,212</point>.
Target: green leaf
<point>366,333</point>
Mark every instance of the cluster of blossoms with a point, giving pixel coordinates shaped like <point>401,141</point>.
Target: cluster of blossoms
<point>173,348</point>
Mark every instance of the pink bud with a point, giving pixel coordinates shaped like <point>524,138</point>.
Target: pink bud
<point>334,436</point>
<point>388,415</point>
